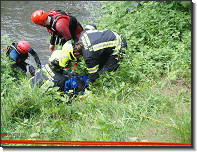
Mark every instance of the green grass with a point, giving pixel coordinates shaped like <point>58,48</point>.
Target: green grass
<point>154,80</point>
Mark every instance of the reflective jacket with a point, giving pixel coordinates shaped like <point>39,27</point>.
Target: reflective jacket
<point>63,25</point>
<point>97,47</point>
<point>63,56</point>
<point>18,57</point>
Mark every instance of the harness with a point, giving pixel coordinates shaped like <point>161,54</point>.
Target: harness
<point>57,14</point>
<point>21,57</point>
<point>12,46</point>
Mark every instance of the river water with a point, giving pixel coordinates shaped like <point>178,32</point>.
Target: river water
<point>17,24</point>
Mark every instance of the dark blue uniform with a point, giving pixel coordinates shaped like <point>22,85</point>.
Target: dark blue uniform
<point>102,51</point>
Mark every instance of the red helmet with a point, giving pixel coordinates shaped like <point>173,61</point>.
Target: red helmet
<point>23,47</point>
<point>39,17</point>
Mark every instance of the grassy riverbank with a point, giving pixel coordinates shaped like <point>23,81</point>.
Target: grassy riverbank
<point>147,99</point>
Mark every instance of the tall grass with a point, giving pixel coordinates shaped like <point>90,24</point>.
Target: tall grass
<point>147,99</point>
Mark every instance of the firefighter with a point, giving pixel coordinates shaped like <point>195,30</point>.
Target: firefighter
<point>19,52</point>
<point>102,51</point>
<point>57,76</point>
<point>56,68</point>
<point>61,25</point>
<point>62,58</point>
<point>65,80</point>
<point>50,75</point>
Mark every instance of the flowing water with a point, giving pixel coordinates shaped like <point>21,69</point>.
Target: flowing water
<point>17,24</point>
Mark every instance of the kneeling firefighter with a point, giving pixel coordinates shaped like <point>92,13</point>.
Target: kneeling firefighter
<point>55,72</point>
<point>19,52</point>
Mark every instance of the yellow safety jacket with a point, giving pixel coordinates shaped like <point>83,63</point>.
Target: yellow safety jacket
<point>64,55</point>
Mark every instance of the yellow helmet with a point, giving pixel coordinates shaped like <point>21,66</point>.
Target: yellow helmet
<point>64,55</point>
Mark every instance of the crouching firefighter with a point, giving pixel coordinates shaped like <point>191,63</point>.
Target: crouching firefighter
<point>102,50</point>
<point>19,52</point>
<point>56,73</point>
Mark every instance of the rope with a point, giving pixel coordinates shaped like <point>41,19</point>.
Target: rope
<point>161,122</point>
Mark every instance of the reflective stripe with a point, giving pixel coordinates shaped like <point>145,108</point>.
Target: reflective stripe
<point>86,42</point>
<point>90,27</point>
<point>62,57</point>
<point>94,69</point>
<point>63,61</point>
<point>15,49</point>
<point>49,72</point>
<point>119,43</point>
<point>105,45</point>
<point>87,45</point>
<point>87,39</point>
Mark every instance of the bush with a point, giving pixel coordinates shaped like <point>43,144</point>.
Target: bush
<point>158,35</point>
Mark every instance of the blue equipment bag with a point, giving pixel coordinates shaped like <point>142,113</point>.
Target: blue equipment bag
<point>77,84</point>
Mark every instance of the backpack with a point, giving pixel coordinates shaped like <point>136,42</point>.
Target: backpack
<point>77,84</point>
<point>57,14</point>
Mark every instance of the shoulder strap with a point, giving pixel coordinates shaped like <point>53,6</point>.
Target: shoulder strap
<point>57,14</point>
<point>55,20</point>
<point>53,25</point>
<point>62,12</point>
<point>12,46</point>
